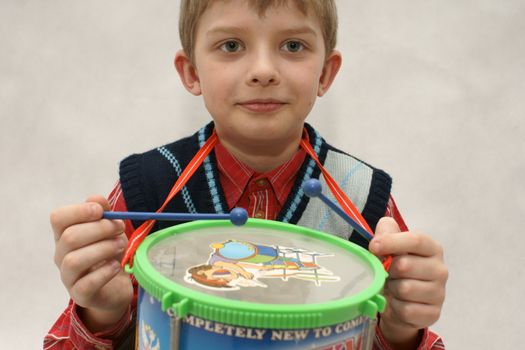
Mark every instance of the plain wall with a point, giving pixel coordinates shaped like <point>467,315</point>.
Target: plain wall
<point>431,91</point>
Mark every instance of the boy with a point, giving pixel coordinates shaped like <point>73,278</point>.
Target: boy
<point>259,66</point>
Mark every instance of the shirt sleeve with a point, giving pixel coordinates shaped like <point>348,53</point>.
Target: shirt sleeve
<point>429,339</point>
<point>69,332</point>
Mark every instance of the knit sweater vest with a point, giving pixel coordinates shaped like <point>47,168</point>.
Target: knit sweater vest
<point>147,178</point>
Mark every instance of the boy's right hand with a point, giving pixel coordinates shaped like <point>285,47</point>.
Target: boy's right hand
<point>88,249</point>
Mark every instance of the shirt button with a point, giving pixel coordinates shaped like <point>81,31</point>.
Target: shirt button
<point>259,214</point>
<point>262,182</point>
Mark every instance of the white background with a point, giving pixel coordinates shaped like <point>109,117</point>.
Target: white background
<point>431,91</point>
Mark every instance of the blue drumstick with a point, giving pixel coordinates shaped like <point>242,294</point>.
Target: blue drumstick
<point>238,216</point>
<point>313,188</point>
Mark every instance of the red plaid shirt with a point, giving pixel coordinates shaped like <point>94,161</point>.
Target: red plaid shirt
<point>262,195</point>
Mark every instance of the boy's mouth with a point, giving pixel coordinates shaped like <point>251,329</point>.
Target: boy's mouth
<point>262,105</point>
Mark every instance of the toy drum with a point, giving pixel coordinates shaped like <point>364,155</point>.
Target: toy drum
<point>264,285</point>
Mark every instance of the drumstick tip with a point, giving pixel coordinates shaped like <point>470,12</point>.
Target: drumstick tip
<point>238,216</point>
<point>312,188</point>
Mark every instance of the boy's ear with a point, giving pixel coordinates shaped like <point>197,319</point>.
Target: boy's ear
<point>187,73</point>
<point>330,69</point>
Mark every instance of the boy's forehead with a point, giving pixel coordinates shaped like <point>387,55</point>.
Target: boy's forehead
<point>222,11</point>
<point>261,7</point>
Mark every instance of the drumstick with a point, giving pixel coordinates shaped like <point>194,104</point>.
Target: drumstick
<point>238,216</point>
<point>313,188</point>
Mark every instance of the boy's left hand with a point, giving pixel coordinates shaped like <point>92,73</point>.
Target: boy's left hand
<point>415,288</point>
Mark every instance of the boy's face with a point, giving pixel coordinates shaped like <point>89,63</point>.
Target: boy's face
<point>259,76</point>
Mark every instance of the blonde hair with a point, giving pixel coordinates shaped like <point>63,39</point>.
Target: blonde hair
<point>192,10</point>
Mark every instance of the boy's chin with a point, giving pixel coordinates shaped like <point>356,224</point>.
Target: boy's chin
<point>265,135</point>
<point>270,132</point>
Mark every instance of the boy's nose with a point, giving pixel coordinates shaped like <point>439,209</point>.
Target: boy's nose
<point>262,71</point>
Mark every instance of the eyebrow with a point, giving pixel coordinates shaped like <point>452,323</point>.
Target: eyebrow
<point>225,30</point>
<point>239,30</point>
<point>299,30</point>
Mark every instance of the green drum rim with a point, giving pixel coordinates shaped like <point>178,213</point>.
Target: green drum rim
<point>185,301</point>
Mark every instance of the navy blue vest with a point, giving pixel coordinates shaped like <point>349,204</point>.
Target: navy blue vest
<point>147,179</point>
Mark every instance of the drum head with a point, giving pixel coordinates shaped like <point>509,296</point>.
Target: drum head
<point>263,265</point>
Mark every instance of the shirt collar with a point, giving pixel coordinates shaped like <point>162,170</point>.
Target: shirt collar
<point>240,174</point>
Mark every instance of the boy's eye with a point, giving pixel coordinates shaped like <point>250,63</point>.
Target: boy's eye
<point>231,46</point>
<point>293,46</point>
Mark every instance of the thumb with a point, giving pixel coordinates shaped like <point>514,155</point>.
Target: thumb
<point>99,200</point>
<point>385,226</point>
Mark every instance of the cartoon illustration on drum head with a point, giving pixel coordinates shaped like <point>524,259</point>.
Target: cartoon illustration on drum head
<point>235,264</point>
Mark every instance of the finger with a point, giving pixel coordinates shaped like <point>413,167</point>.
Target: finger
<point>413,315</point>
<point>90,284</point>
<point>417,267</point>
<point>70,215</point>
<point>416,291</point>
<point>124,239</point>
<point>81,235</point>
<point>407,243</point>
<point>77,263</point>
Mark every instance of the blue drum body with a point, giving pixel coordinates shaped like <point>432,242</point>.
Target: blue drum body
<point>296,301</point>
<point>155,332</point>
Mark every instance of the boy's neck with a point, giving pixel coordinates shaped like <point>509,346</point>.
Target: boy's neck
<point>262,157</point>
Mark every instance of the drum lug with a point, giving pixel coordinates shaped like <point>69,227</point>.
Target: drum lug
<point>179,308</point>
<point>380,302</point>
<point>371,307</point>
